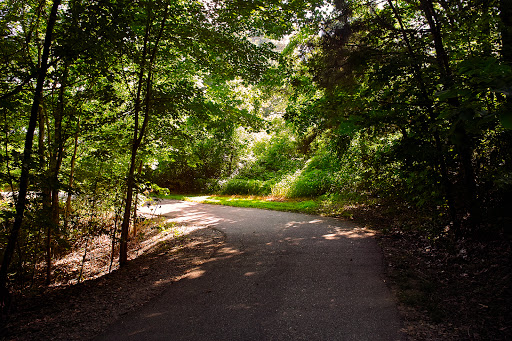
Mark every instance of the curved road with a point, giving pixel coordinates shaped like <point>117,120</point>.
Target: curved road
<point>278,276</point>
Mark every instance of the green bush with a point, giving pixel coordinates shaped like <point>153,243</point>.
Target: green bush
<point>310,184</point>
<point>159,190</point>
<point>303,183</point>
<point>246,187</point>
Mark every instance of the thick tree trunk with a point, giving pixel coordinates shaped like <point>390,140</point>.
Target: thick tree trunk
<point>27,154</point>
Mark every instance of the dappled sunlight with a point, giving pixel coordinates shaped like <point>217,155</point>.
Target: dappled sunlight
<point>292,224</point>
<point>258,259</point>
<point>163,282</point>
<point>181,212</point>
<point>294,241</point>
<point>159,207</point>
<point>195,273</point>
<point>331,236</point>
<point>228,251</point>
<point>93,258</point>
<point>197,218</point>
<point>163,236</point>
<point>355,233</point>
<point>200,199</point>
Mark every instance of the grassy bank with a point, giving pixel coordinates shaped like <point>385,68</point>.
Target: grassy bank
<point>336,206</point>
<point>310,206</point>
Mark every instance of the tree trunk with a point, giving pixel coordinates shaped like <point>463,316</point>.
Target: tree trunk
<point>139,171</point>
<point>55,165</point>
<point>27,155</point>
<point>464,146</point>
<point>138,133</point>
<point>71,179</point>
<point>428,106</point>
<point>125,225</point>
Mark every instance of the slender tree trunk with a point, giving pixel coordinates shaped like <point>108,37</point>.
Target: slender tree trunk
<point>84,257</point>
<point>139,171</point>
<point>125,225</point>
<point>442,57</point>
<point>113,238</point>
<point>123,247</point>
<point>27,155</point>
<point>138,134</point>
<point>55,165</point>
<point>71,179</point>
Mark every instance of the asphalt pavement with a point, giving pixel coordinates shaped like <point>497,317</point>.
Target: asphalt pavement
<point>278,276</point>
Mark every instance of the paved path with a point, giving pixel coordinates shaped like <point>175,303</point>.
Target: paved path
<point>279,276</point>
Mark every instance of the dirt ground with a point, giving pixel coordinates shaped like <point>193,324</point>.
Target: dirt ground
<point>447,291</point>
<point>81,311</point>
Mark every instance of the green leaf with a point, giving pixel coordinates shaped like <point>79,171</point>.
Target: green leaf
<point>506,120</point>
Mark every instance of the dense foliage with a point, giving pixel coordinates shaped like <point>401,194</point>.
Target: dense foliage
<point>424,87</point>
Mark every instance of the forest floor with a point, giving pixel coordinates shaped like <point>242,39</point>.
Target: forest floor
<point>447,290</point>
<point>80,311</point>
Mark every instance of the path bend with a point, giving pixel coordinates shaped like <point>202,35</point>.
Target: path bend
<point>278,276</point>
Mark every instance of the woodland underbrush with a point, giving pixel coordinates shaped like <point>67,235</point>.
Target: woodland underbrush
<point>88,251</point>
<point>448,287</point>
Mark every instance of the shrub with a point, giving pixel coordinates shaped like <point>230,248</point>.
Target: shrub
<point>159,190</point>
<point>303,183</point>
<point>310,184</point>
<point>246,186</point>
